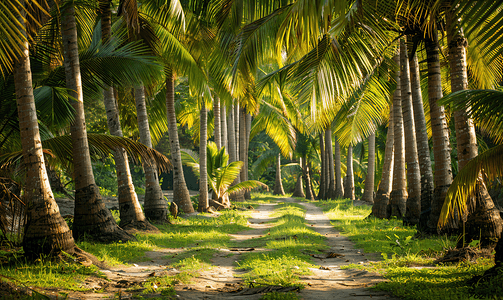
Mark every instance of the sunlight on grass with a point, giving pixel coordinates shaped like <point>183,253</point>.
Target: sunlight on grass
<point>407,261</point>
<point>290,241</point>
<point>45,273</point>
<point>118,253</point>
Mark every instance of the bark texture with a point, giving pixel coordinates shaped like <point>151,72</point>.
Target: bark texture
<point>155,206</point>
<point>380,209</point>
<point>330,164</point>
<point>45,232</point>
<point>181,194</point>
<point>323,186</point>
<point>349,189</point>
<point>413,205</point>
<point>423,147</point>
<point>440,133</point>
<point>398,196</point>
<point>368,194</point>
<point>91,217</point>
<point>203,174</point>
<point>339,188</point>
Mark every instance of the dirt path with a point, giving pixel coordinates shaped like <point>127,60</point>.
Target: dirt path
<point>328,281</point>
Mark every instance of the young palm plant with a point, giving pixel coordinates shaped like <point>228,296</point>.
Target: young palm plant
<point>221,174</point>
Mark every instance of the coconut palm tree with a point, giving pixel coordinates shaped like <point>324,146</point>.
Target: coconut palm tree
<point>46,232</point>
<point>221,174</point>
<point>413,204</point>
<point>91,216</point>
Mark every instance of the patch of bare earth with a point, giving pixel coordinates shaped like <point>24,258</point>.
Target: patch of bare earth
<point>328,281</point>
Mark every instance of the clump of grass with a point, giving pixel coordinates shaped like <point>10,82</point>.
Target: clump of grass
<point>280,296</point>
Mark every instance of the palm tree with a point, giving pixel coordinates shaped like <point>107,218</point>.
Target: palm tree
<point>440,131</point>
<point>278,184</point>
<point>131,214</point>
<point>349,189</point>
<point>91,216</point>
<point>413,204</point>
<point>203,175</point>
<point>221,174</point>
<point>423,147</point>
<point>181,194</point>
<point>46,232</point>
<point>485,216</point>
<point>381,203</point>
<point>398,194</point>
<point>368,194</point>
<point>156,207</point>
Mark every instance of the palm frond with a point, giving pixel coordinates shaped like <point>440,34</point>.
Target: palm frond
<point>245,186</point>
<point>464,185</point>
<point>484,106</point>
<point>102,145</point>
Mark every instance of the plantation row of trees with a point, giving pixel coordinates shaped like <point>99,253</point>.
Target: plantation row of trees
<point>318,77</point>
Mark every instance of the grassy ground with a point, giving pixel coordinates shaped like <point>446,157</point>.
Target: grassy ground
<point>408,261</point>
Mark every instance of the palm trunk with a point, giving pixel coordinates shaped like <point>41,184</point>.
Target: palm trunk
<point>330,153</point>
<point>349,189</point>
<point>485,223</point>
<point>236,130</point>
<point>217,131</point>
<point>398,196</point>
<point>223,127</point>
<point>248,119</point>
<point>45,232</point>
<point>131,214</point>
<point>181,194</point>
<point>322,186</point>
<point>380,209</point>
<point>155,206</point>
<point>203,173</point>
<point>299,189</point>
<point>368,194</point>
<point>413,205</point>
<point>278,186</point>
<point>307,179</point>
<point>242,142</point>
<point>233,154</point>
<point>423,147</point>
<point>440,133</point>
<point>91,216</point>
<point>339,188</point>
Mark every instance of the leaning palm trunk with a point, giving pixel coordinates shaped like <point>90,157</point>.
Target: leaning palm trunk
<point>156,207</point>
<point>181,194</point>
<point>368,194</point>
<point>485,223</point>
<point>423,147</point>
<point>331,171</point>
<point>45,232</point>
<point>349,189</point>
<point>91,216</point>
<point>398,196</point>
<point>413,205</point>
<point>131,214</point>
<point>381,202</point>
<point>203,175</point>
<point>440,133</point>
<point>278,185</point>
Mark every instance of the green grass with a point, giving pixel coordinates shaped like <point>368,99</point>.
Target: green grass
<point>289,242</point>
<point>407,262</point>
<point>44,273</point>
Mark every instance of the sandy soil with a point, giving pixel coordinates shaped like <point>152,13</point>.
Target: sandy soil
<point>328,281</point>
